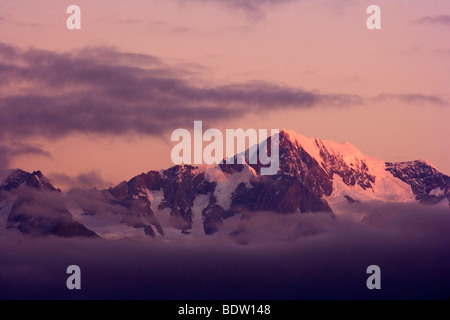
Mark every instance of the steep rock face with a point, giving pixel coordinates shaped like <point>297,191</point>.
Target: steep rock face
<point>181,185</point>
<point>38,209</point>
<point>428,185</point>
<point>301,183</point>
<point>280,193</point>
<point>295,161</point>
<point>133,196</point>
<point>352,174</point>
<point>305,179</point>
<point>138,185</point>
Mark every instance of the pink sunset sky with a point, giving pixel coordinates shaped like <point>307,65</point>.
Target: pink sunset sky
<point>96,106</point>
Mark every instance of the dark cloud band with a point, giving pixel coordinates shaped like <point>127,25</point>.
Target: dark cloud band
<point>103,91</point>
<point>107,92</point>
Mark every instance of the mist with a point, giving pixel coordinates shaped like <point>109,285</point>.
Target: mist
<point>302,256</point>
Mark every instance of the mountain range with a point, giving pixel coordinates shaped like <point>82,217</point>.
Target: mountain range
<point>314,176</point>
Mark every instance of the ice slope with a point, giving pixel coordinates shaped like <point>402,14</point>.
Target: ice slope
<point>386,187</point>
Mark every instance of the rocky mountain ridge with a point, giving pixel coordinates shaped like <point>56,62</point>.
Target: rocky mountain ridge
<point>314,176</point>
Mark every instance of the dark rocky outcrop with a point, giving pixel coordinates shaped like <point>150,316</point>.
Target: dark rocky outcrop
<point>423,179</point>
<point>38,209</point>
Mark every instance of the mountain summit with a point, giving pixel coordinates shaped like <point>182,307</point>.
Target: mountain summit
<point>36,208</point>
<point>314,176</point>
<point>19,178</point>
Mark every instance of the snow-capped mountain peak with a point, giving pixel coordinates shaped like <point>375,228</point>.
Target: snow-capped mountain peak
<point>19,178</point>
<point>350,154</point>
<point>314,176</point>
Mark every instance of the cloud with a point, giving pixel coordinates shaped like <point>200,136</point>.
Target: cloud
<point>109,55</point>
<point>5,160</point>
<point>409,242</point>
<point>103,91</point>
<point>442,51</point>
<point>412,98</point>
<point>7,52</point>
<point>268,227</point>
<point>257,9</point>
<point>253,8</point>
<point>85,180</point>
<point>24,149</point>
<point>180,30</point>
<point>94,202</point>
<point>14,149</point>
<point>129,21</point>
<point>99,90</point>
<point>440,19</point>
<point>373,217</point>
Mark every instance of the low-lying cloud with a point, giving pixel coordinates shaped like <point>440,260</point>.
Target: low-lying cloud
<point>409,242</point>
<point>87,180</point>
